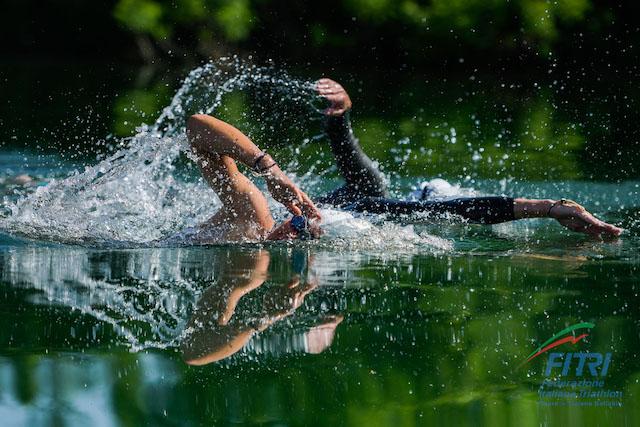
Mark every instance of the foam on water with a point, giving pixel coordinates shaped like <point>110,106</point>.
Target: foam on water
<point>135,196</point>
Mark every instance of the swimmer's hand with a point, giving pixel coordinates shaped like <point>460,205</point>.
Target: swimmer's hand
<point>567,212</point>
<point>286,192</point>
<point>335,93</point>
<point>284,300</point>
<point>576,218</point>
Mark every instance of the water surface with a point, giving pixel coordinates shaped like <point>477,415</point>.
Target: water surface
<point>416,323</point>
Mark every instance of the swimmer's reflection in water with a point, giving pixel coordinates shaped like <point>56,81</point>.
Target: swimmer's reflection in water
<point>233,310</point>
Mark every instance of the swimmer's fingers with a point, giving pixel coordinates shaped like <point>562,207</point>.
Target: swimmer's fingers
<point>336,95</point>
<point>293,208</point>
<point>336,98</point>
<point>325,80</point>
<point>301,203</point>
<point>339,105</point>
<point>294,282</point>
<point>325,83</point>
<point>300,294</point>
<point>310,208</point>
<point>594,226</point>
<point>309,287</point>
<point>286,192</point>
<point>334,111</point>
<point>576,218</point>
<point>331,90</point>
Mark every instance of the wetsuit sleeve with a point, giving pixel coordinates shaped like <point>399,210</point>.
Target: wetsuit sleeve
<point>483,210</point>
<point>361,175</point>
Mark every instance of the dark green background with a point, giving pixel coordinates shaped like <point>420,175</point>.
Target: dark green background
<point>550,106</point>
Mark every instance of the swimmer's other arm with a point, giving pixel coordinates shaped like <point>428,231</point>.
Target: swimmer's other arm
<point>495,209</point>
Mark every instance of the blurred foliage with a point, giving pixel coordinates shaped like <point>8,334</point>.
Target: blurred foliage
<point>558,76</point>
<point>143,16</point>
<point>413,24</point>
<point>226,20</point>
<point>354,30</point>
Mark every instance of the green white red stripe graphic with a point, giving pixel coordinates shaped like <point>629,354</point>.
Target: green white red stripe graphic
<point>560,338</point>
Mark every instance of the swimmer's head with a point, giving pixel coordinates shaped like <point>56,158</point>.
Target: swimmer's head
<point>297,227</point>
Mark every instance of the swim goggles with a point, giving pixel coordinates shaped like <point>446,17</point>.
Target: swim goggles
<point>301,225</point>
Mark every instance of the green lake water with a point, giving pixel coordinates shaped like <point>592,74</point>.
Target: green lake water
<point>391,332</point>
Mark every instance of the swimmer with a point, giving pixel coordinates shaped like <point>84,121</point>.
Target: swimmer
<point>245,213</point>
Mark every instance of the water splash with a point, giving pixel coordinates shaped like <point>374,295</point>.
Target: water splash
<point>136,195</point>
<point>133,195</point>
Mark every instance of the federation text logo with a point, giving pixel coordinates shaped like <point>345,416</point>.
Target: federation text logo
<point>574,378</point>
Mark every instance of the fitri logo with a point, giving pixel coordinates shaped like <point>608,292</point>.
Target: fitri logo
<point>574,378</point>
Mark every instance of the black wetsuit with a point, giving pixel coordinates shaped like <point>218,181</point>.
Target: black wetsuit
<point>365,189</point>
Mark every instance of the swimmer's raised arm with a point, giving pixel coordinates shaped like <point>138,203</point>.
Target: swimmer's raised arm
<point>215,137</point>
<point>362,176</point>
